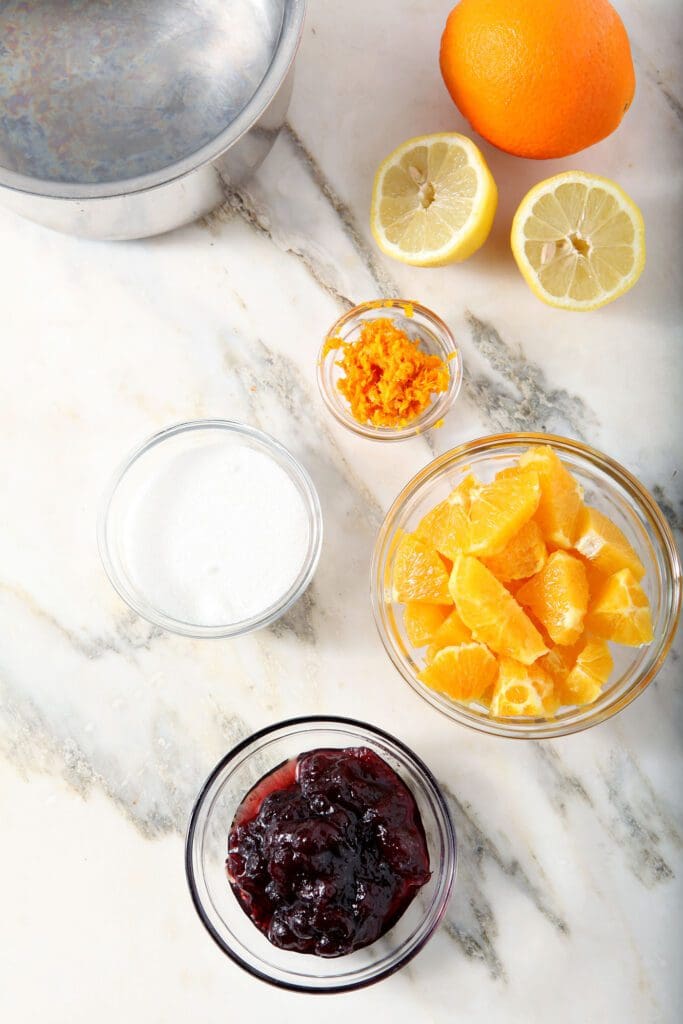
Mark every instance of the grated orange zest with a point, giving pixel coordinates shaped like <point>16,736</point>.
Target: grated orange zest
<point>388,380</point>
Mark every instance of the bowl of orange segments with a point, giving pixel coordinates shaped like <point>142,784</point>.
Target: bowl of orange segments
<point>526,585</point>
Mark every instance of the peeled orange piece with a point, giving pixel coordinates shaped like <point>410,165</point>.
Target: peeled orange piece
<point>463,673</point>
<point>492,613</point>
<point>545,687</point>
<point>451,632</point>
<point>558,662</point>
<point>558,596</point>
<point>596,579</point>
<point>561,495</point>
<point>516,692</point>
<point>500,509</point>
<point>523,556</point>
<point>602,543</point>
<point>422,621</point>
<point>591,670</point>
<point>419,573</point>
<point>445,526</point>
<point>621,611</point>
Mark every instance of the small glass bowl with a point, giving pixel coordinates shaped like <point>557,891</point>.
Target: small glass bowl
<point>424,327</point>
<point>206,851</point>
<point>609,487</point>
<point>129,482</point>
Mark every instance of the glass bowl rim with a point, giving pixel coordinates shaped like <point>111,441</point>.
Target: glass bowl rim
<point>296,472</point>
<point>448,873</point>
<point>637,493</point>
<point>436,410</point>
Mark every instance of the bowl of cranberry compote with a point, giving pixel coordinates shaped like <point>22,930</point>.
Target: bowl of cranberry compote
<point>320,854</point>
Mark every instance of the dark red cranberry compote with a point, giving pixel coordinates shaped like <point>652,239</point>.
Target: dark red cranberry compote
<point>327,852</point>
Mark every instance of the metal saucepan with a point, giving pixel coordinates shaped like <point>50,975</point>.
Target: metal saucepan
<point>126,118</point>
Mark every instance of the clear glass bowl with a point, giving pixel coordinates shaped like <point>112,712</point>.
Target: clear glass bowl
<point>609,487</point>
<point>424,327</point>
<point>206,850</point>
<point>122,499</point>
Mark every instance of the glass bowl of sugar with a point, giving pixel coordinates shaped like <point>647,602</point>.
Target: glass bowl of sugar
<point>210,529</point>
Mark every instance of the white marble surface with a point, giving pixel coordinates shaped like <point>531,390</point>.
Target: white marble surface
<point>567,906</point>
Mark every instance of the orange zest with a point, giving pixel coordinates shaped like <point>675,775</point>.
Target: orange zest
<point>388,380</point>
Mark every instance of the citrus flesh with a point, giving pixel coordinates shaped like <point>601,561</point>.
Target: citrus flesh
<point>601,541</point>
<point>558,596</point>
<point>584,681</point>
<point>621,611</point>
<point>450,633</point>
<point>498,511</point>
<point>492,613</point>
<point>515,692</point>
<point>561,495</point>
<point>578,240</point>
<point>433,201</point>
<point>422,621</point>
<point>543,607</point>
<point>419,573</point>
<point>445,526</point>
<point>463,673</point>
<point>523,556</point>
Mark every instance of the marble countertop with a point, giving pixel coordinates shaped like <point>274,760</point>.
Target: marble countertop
<point>567,905</point>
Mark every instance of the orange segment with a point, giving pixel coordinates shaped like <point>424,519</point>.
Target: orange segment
<point>500,509</point>
<point>584,681</point>
<point>492,613</point>
<point>452,632</point>
<point>517,690</point>
<point>602,543</point>
<point>422,621</point>
<point>558,595</point>
<point>445,526</point>
<point>561,495</point>
<point>621,611</point>
<point>463,673</point>
<point>596,579</point>
<point>523,556</point>
<point>545,688</point>
<point>487,697</point>
<point>557,663</point>
<point>419,573</point>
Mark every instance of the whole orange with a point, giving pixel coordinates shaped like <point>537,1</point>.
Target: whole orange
<point>538,78</point>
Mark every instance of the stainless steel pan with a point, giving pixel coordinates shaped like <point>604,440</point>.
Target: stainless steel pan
<point>126,118</point>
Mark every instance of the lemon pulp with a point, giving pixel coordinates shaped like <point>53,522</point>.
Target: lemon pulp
<point>579,241</point>
<point>434,200</point>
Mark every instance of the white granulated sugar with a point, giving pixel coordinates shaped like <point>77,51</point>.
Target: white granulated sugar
<point>218,534</point>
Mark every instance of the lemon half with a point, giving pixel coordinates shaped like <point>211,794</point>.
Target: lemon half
<point>433,201</point>
<point>579,241</point>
